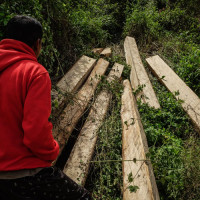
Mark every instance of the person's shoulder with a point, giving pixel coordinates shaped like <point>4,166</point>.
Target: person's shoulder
<point>34,68</point>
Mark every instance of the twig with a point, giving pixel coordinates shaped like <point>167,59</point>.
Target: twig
<point>100,161</point>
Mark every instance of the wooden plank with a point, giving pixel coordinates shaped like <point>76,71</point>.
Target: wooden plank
<point>106,52</point>
<point>138,74</point>
<point>72,80</point>
<point>72,113</point>
<point>174,84</point>
<point>76,75</point>
<point>134,145</point>
<point>97,50</point>
<point>77,165</point>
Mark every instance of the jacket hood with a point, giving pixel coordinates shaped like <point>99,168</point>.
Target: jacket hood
<point>12,51</point>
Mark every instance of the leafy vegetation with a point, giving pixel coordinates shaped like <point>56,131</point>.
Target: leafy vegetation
<point>105,180</point>
<point>168,131</point>
<point>70,28</point>
<point>169,28</point>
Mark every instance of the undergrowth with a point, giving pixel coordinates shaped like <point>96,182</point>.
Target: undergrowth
<point>168,130</point>
<point>184,59</point>
<point>105,179</point>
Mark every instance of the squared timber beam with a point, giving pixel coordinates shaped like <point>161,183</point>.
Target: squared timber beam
<point>138,76</point>
<point>135,147</point>
<point>191,102</point>
<point>72,81</point>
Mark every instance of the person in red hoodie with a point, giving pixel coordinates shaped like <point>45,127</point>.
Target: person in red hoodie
<point>27,147</point>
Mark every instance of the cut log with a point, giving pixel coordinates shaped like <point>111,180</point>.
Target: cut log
<point>75,110</point>
<point>138,74</point>
<point>135,147</point>
<point>106,52</point>
<point>78,163</point>
<point>191,102</point>
<point>76,75</point>
<point>72,81</point>
<point>97,50</point>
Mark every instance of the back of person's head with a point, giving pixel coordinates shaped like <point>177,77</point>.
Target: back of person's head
<point>25,29</point>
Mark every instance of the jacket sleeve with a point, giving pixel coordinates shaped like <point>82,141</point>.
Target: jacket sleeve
<point>37,129</point>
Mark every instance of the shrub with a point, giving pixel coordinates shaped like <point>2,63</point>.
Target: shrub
<point>34,8</point>
<point>91,21</point>
<point>142,22</point>
<point>191,170</point>
<point>188,68</point>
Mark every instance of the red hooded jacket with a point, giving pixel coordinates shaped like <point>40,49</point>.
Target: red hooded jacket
<point>26,139</point>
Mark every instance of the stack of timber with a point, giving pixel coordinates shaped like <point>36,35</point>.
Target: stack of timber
<point>77,165</point>
<point>134,139</point>
<point>97,50</point>
<point>138,76</point>
<point>72,113</point>
<point>103,52</point>
<point>191,102</point>
<point>106,52</point>
<point>134,146</point>
<point>72,80</point>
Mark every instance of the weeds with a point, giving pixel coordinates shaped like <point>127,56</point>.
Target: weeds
<point>191,171</point>
<point>167,130</point>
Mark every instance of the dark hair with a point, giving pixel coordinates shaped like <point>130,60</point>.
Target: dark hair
<point>25,29</point>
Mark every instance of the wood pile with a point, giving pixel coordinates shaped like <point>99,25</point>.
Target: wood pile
<point>72,113</point>
<point>107,52</point>
<point>78,163</point>
<point>83,78</point>
<point>97,50</point>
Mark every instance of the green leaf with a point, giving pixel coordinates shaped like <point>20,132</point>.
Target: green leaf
<point>148,155</point>
<point>133,188</point>
<point>162,78</point>
<point>130,177</point>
